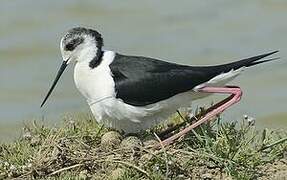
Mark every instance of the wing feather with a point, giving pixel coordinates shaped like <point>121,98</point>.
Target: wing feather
<point>141,81</point>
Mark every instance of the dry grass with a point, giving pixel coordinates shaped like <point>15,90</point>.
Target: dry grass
<point>75,151</point>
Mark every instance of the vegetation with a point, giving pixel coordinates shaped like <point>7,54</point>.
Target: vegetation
<point>82,149</point>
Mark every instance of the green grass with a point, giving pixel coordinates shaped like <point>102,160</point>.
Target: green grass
<point>74,151</point>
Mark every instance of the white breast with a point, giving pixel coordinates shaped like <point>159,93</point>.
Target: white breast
<point>97,83</point>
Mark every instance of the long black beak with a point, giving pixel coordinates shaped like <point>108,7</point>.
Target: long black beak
<point>60,72</point>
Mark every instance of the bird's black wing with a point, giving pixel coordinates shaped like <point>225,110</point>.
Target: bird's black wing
<point>140,81</point>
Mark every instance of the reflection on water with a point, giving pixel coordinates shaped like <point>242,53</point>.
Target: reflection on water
<point>190,32</point>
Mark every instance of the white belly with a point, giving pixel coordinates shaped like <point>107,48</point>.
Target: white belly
<point>116,114</point>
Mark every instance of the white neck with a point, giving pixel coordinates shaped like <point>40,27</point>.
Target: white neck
<point>86,53</point>
<point>96,83</point>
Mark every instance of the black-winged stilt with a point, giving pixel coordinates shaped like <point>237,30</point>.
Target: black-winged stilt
<point>132,93</point>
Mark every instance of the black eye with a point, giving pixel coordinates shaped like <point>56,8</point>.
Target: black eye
<point>73,44</point>
<point>70,47</point>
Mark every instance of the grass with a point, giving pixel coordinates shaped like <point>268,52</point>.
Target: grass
<point>78,150</point>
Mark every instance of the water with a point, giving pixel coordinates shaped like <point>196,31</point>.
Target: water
<point>189,32</point>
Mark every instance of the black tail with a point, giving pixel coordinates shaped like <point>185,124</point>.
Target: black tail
<point>212,71</point>
<point>246,62</point>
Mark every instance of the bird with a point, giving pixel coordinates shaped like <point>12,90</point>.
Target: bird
<point>133,93</point>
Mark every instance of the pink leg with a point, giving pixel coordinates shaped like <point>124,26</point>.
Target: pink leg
<point>218,108</point>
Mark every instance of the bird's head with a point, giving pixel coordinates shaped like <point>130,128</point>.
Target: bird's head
<point>79,45</point>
